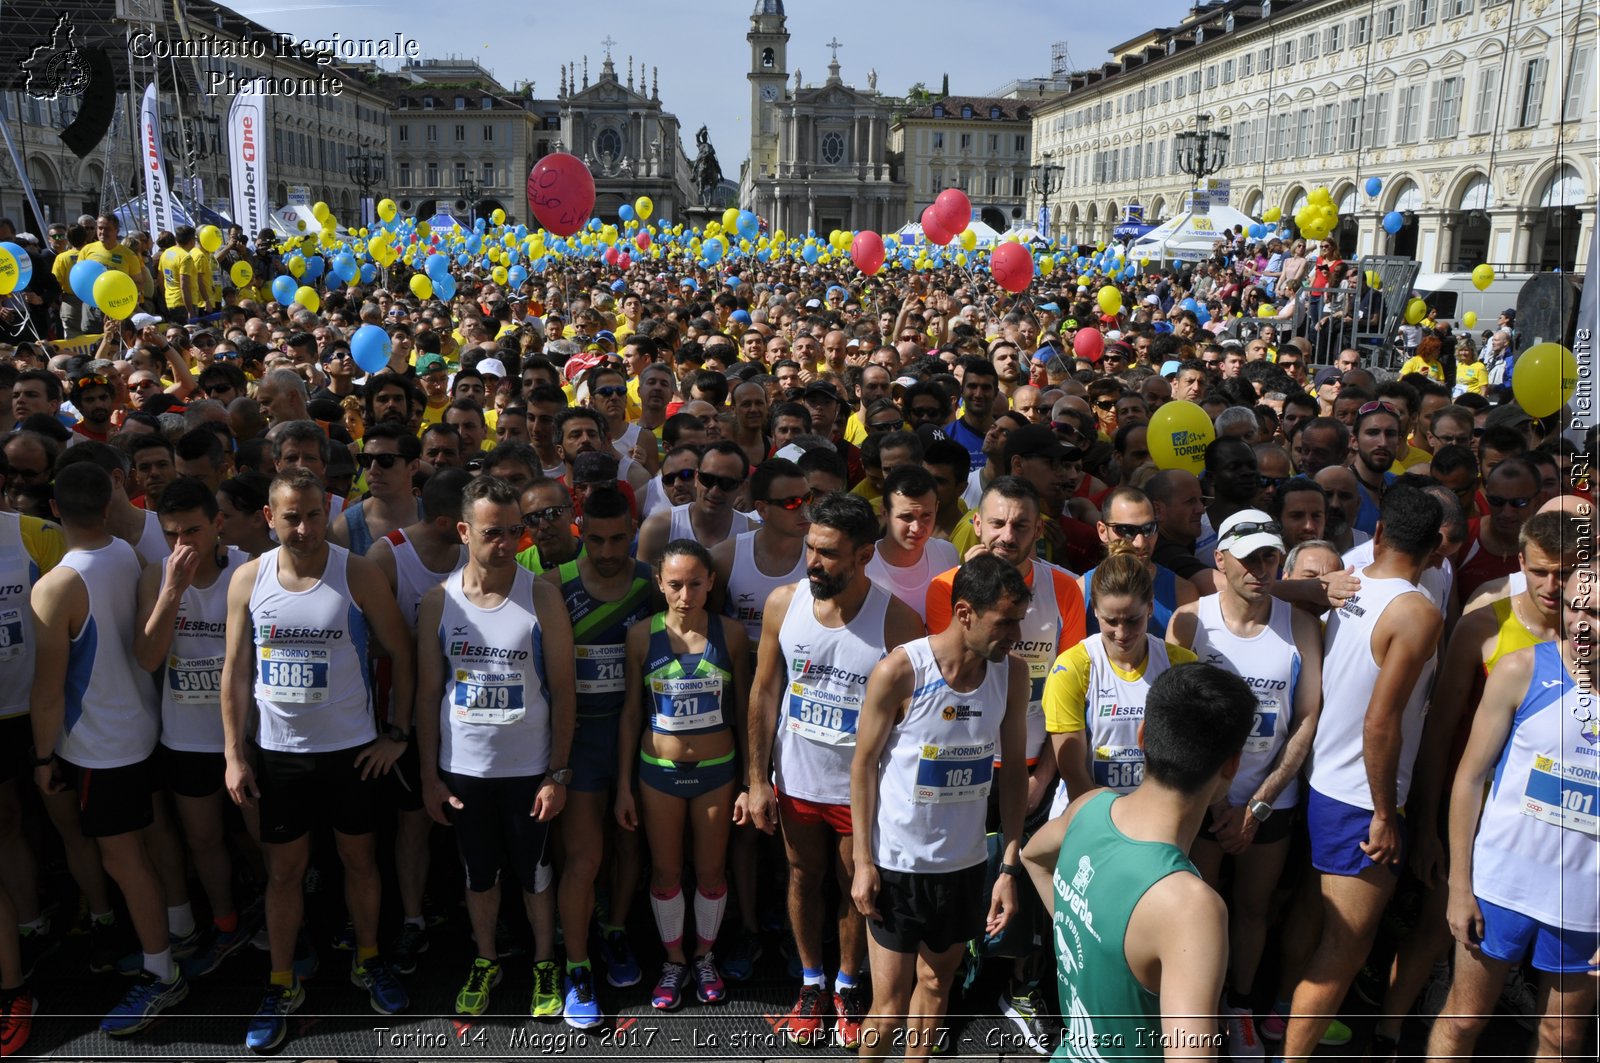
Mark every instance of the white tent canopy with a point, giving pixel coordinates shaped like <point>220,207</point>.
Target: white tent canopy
<point>1188,236</point>
<point>1026,233</point>
<point>912,233</point>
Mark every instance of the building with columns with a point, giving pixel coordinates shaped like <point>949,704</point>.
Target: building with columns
<point>1479,116</point>
<point>978,144</point>
<point>819,154</point>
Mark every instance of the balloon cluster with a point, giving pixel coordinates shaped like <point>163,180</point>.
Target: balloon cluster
<point>1317,219</point>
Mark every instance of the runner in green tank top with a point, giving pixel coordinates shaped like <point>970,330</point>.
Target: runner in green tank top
<point>1141,941</point>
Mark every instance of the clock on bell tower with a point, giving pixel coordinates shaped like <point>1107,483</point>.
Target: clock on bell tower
<point>769,41</point>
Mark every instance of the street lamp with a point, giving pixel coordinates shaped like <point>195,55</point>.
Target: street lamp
<point>366,170</point>
<point>1046,181</point>
<point>470,191</point>
<point>1202,151</point>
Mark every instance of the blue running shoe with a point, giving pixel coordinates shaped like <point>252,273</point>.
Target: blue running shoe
<point>384,990</point>
<point>582,1010</point>
<point>622,969</point>
<point>145,1002</point>
<point>271,1022</point>
<point>219,948</point>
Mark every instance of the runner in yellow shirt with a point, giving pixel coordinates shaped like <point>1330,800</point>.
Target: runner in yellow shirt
<point>1471,374</point>
<point>178,277</point>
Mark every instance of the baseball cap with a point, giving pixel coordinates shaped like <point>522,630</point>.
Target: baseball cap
<point>618,285</point>
<point>1039,441</point>
<point>492,367</point>
<point>1508,414</point>
<point>1510,314</point>
<point>1170,367</point>
<point>145,320</point>
<point>823,388</point>
<point>431,363</point>
<point>1328,375</point>
<point>740,316</point>
<point>813,304</point>
<point>594,467</point>
<point>930,434</point>
<point>1050,307</point>
<point>1247,531</point>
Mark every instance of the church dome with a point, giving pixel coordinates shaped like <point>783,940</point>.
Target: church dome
<point>769,7</point>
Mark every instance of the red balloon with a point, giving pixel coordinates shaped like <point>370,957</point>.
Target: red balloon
<point>561,193</point>
<point>624,260</point>
<point>1012,267</point>
<point>1089,344</point>
<point>934,228</point>
<point>866,251</point>
<point>954,209</point>
<point>610,256</point>
<point>642,241</point>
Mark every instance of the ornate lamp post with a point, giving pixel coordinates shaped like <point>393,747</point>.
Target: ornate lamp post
<point>1202,151</point>
<point>1046,181</point>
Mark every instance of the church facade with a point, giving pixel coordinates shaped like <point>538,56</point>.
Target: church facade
<point>819,154</point>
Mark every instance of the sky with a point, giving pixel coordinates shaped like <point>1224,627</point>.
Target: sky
<point>700,49</point>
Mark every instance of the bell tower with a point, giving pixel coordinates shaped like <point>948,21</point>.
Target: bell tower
<point>769,43</point>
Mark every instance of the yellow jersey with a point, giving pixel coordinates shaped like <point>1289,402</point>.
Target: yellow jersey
<point>178,279</point>
<point>122,257</point>
<point>1473,377</point>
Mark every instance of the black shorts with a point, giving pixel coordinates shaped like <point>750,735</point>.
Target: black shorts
<point>1277,827</point>
<point>494,827</point>
<point>304,790</point>
<point>190,774</point>
<point>931,910</point>
<point>112,801</point>
<point>16,739</point>
<point>403,783</point>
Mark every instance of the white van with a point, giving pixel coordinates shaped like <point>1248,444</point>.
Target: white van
<point>1453,294</point>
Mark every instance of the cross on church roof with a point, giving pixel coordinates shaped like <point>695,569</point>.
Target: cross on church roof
<point>608,44</point>
<point>835,44</point>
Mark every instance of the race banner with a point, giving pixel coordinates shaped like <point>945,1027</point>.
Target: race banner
<point>248,147</point>
<point>157,189</point>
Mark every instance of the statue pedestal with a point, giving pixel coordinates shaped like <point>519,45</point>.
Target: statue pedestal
<point>696,216</point>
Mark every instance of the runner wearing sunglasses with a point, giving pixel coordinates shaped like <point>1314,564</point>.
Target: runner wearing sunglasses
<point>389,455</point>
<point>711,517</point>
<point>1130,517</point>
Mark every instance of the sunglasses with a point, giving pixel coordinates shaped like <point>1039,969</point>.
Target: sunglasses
<point>547,515</point>
<point>89,381</point>
<point>926,413</point>
<point>1274,482</point>
<point>1106,404</point>
<point>1066,428</point>
<point>496,534</point>
<point>1497,502</point>
<point>887,426</point>
<point>219,389</point>
<point>726,483</point>
<point>143,384</point>
<point>1255,527</point>
<point>1133,531</point>
<point>682,476</point>
<point>474,464</point>
<point>382,461</point>
<point>793,502</point>
<point>611,391</point>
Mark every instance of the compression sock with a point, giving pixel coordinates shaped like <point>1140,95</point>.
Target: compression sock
<point>708,909</point>
<point>668,908</point>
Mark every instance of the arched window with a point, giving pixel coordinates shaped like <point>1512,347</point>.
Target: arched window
<point>1564,189</point>
<point>767,58</point>
<point>833,148</point>
<point>609,142</point>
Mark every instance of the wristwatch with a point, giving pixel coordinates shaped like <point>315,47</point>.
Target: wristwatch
<point>44,761</point>
<point>395,734</point>
<point>1014,870</point>
<point>1259,809</point>
<point>561,776</point>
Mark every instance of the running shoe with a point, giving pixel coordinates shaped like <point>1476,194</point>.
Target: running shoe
<point>219,948</point>
<point>1243,1041</point>
<point>35,945</point>
<point>740,962</point>
<point>17,1007</point>
<point>849,1009</point>
<point>622,969</point>
<point>668,993</point>
<point>1383,1049</point>
<point>345,939</point>
<point>105,946</point>
<point>412,942</point>
<point>145,1002</point>
<point>1273,1026</point>
<point>387,995</point>
<point>546,991</point>
<point>1028,1014</point>
<point>708,981</point>
<point>481,980</point>
<point>270,1025</point>
<point>804,1023</point>
<point>581,1010</point>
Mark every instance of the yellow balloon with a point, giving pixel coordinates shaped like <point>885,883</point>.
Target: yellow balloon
<point>387,209</point>
<point>1482,276</point>
<point>969,239</point>
<point>498,216</point>
<point>424,230</point>
<point>1416,310</point>
<point>210,238</point>
<point>644,206</point>
<point>1273,214</point>
<point>730,218</point>
<point>308,298</point>
<point>1544,378</point>
<point>10,271</point>
<point>1320,196</point>
<point>115,294</point>
<point>1470,320</point>
<point>1144,262</point>
<point>1374,280</point>
<point>421,286</point>
<point>320,211</point>
<point>1178,435</point>
<point>499,274</point>
<point>1266,310</point>
<point>241,273</point>
<point>1047,265</point>
<point>1110,300</point>
<point>779,237</point>
<point>296,266</point>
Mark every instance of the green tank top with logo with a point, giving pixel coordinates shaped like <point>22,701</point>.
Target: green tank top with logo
<point>1100,877</point>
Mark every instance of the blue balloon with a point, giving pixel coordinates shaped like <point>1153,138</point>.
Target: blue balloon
<point>625,212</point>
<point>1374,186</point>
<point>314,267</point>
<point>24,264</point>
<point>369,272</point>
<point>1191,306</point>
<point>712,249</point>
<point>82,279</point>
<point>749,225</point>
<point>370,347</point>
<point>445,288</point>
<point>520,232</point>
<point>437,266</point>
<point>283,289</point>
<point>810,254</point>
<point>1393,222</point>
<point>463,258</point>
<point>516,276</point>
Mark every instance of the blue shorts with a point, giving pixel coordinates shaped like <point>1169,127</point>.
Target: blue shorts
<point>1508,937</point>
<point>1337,831</point>
<point>685,778</point>
<point>594,754</point>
